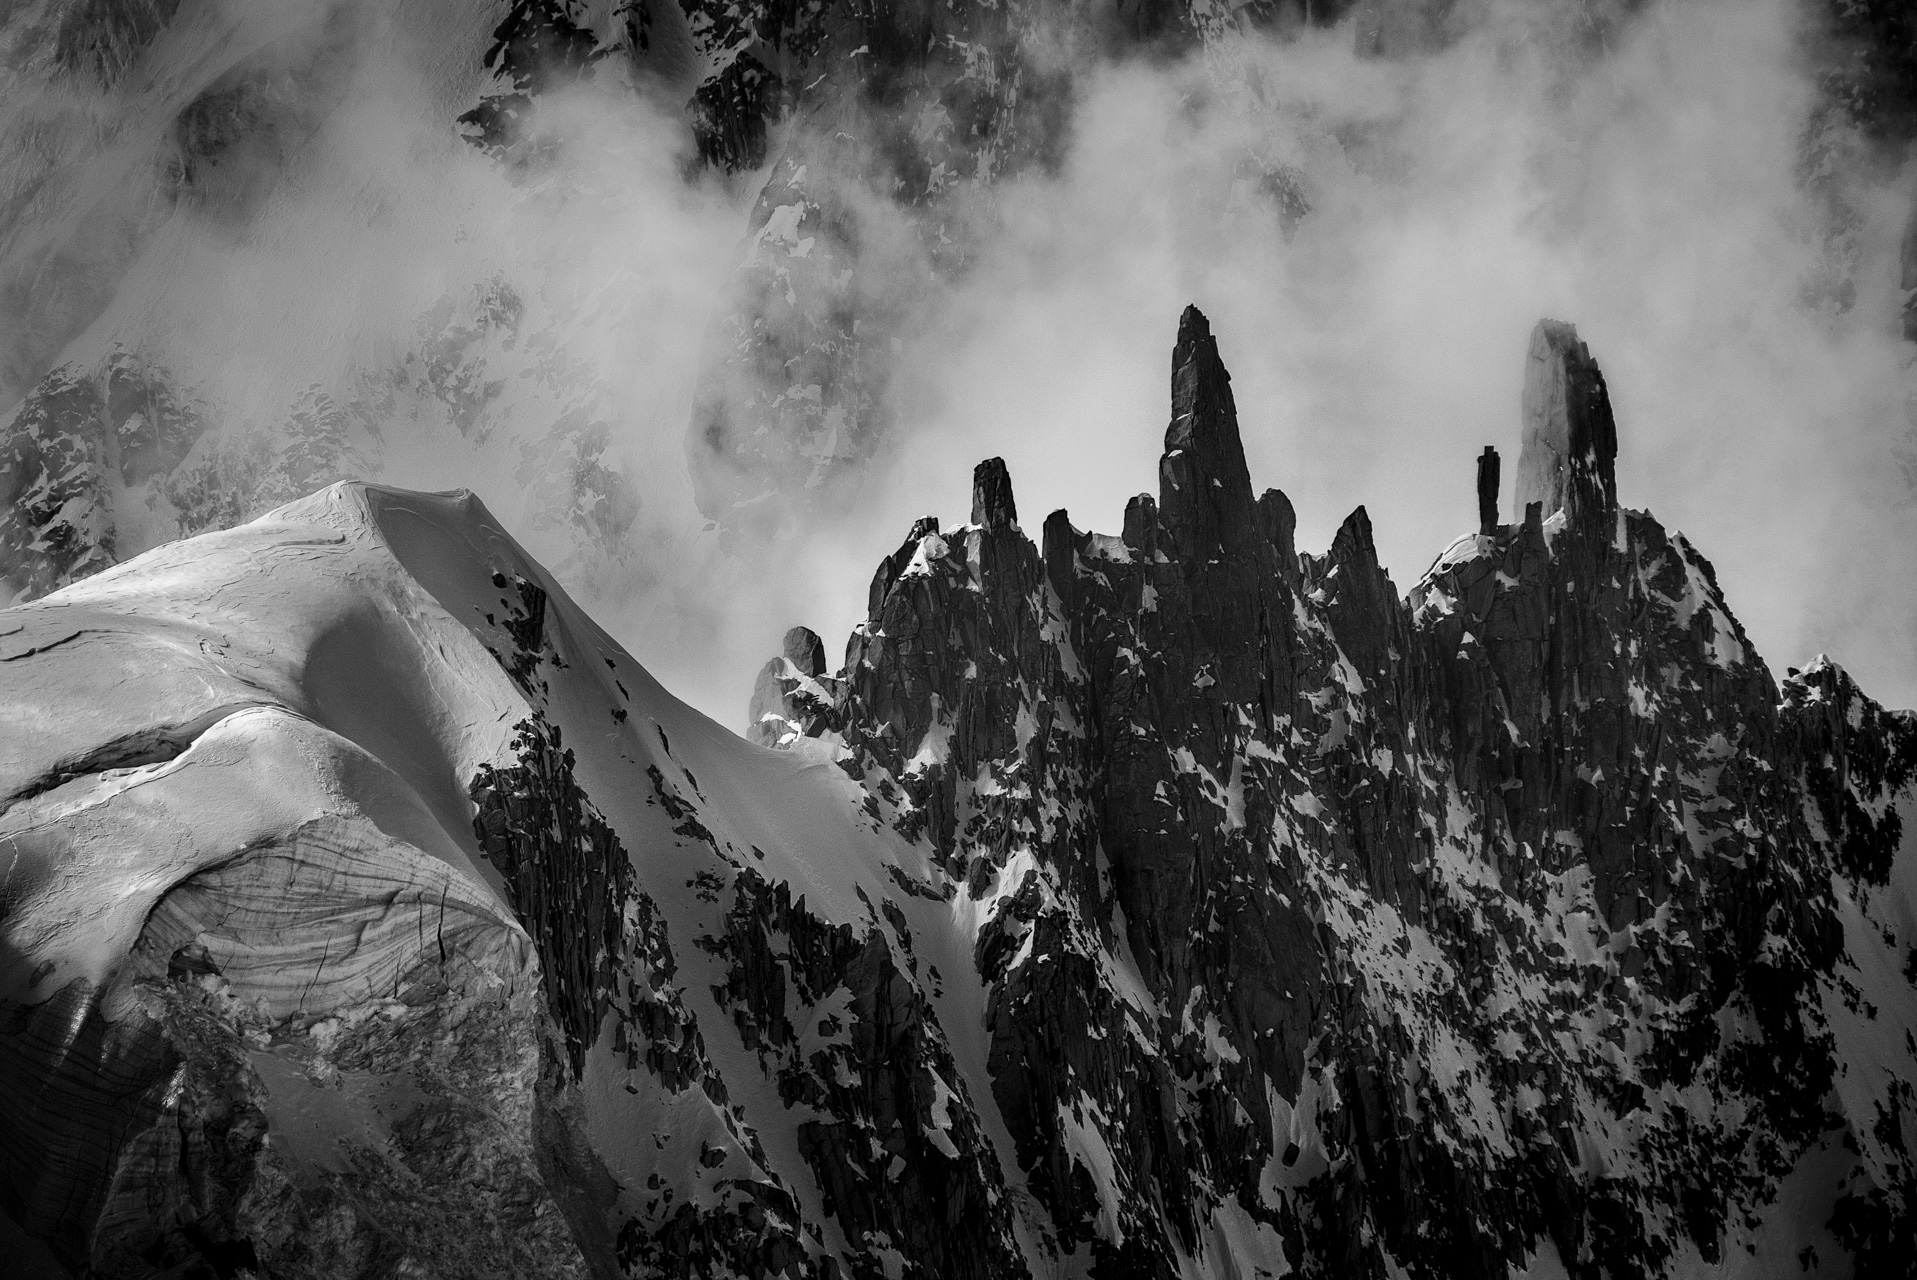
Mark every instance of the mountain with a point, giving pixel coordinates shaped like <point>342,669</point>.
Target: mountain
<point>369,911</point>
<point>1527,909</point>
<point>1162,904</point>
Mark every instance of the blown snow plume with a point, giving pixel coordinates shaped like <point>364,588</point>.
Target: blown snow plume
<point>1162,904</point>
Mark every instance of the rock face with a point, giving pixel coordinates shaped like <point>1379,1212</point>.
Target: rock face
<point>1488,477</point>
<point>1151,905</point>
<point>787,695</point>
<point>133,129</point>
<point>1569,458</point>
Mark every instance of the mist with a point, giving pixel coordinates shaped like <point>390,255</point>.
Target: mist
<point>1649,192</point>
<point>515,326</point>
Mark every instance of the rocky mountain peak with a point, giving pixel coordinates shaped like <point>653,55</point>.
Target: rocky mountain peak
<point>1488,469</point>
<point>1141,524</point>
<point>1376,916</point>
<point>1569,456</point>
<point>1279,523</point>
<point>1204,488</point>
<point>783,687</point>
<point>805,651</point>
<point>993,506</point>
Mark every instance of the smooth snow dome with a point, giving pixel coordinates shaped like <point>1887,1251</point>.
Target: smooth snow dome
<point>1646,187</point>
<point>335,665</point>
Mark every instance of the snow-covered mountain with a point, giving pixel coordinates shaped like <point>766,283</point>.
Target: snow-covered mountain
<point>1160,904</point>
<point>371,912</point>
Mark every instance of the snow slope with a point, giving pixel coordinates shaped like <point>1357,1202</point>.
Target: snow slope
<point>288,717</point>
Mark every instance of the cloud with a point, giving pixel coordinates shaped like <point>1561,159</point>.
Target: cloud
<point>1648,187</point>
<point>534,329</point>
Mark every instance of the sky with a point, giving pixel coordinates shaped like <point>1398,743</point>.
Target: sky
<point>1644,182</point>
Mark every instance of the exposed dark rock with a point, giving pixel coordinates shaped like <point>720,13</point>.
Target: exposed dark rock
<point>1870,66</point>
<point>569,878</point>
<point>69,453</point>
<point>992,504</point>
<point>787,693</point>
<point>1569,457</point>
<point>1279,522</point>
<point>1488,491</point>
<point>539,45</point>
<point>805,651</point>
<point>1204,489</point>
<point>1185,774</point>
<point>103,38</point>
<point>895,1158</point>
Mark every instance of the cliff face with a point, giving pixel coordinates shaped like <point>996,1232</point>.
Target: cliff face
<point>1161,904</point>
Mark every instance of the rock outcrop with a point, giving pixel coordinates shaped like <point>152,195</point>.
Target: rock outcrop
<point>787,694</point>
<point>1569,459</point>
<point>1488,479</point>
<point>867,147</point>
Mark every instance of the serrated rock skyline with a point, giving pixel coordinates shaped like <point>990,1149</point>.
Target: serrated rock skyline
<point>1496,876</point>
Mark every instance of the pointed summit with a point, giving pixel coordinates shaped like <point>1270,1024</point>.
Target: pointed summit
<point>992,503</point>
<point>805,651</point>
<point>1488,471</point>
<point>1204,487</point>
<point>1202,406</point>
<point>1568,461</point>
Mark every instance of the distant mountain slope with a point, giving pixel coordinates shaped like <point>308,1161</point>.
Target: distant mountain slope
<point>1169,904</point>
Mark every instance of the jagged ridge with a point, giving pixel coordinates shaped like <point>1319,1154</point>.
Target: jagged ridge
<point>1519,912</point>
